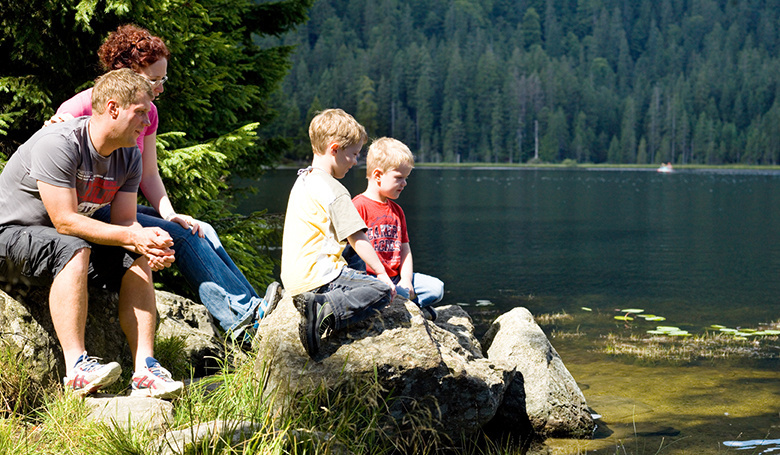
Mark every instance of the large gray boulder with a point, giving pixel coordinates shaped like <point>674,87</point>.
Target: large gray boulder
<point>439,366</point>
<point>27,330</point>
<point>543,395</point>
<point>426,367</point>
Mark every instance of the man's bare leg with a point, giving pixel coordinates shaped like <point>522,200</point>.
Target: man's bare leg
<point>138,311</point>
<point>68,306</point>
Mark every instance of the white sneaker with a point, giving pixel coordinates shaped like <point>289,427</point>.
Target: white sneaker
<point>155,381</point>
<point>90,375</point>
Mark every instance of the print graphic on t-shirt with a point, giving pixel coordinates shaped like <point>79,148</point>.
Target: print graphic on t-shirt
<point>94,191</point>
<point>384,237</point>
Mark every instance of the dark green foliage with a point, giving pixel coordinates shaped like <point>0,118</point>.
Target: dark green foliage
<point>221,77</point>
<point>470,80</point>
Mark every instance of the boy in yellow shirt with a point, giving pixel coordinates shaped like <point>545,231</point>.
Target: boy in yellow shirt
<point>320,221</point>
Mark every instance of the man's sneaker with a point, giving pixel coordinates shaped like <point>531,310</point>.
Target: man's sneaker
<point>89,375</point>
<point>154,381</point>
<point>273,294</point>
<point>429,313</point>
<point>316,319</point>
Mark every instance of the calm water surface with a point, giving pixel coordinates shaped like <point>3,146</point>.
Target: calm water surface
<point>697,247</point>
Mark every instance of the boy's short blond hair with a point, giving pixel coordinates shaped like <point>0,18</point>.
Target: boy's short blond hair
<point>387,153</point>
<point>335,125</point>
<point>123,85</point>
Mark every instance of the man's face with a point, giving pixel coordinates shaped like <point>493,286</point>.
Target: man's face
<point>131,120</point>
<point>345,158</point>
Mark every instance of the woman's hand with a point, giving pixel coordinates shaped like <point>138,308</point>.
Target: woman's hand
<point>58,118</point>
<point>187,222</point>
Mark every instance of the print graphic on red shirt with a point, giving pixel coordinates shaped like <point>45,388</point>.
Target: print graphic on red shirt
<point>386,231</point>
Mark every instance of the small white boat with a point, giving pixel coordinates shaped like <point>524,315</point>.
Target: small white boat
<point>666,168</point>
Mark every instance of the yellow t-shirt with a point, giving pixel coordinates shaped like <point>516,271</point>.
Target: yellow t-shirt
<point>320,217</point>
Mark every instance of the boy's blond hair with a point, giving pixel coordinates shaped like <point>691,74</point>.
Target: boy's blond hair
<point>387,153</point>
<point>123,85</point>
<point>335,125</point>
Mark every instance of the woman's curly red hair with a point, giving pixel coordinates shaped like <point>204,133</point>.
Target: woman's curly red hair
<point>131,47</point>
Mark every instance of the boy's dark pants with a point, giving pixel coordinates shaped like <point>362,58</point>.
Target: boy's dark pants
<point>353,296</point>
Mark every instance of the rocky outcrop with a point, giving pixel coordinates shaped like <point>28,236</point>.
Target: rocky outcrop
<point>461,392</point>
<point>27,330</point>
<point>439,368</point>
<point>517,382</point>
<point>543,395</point>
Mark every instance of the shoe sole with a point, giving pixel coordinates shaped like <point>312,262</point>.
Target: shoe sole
<point>158,393</point>
<point>98,383</point>
<point>306,327</point>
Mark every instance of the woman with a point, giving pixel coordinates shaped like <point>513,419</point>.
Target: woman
<point>201,259</point>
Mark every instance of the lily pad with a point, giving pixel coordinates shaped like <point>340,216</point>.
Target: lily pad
<point>667,328</point>
<point>633,311</point>
<point>484,302</point>
<point>728,330</point>
<point>624,318</point>
<point>772,332</point>
<point>717,326</point>
<point>656,332</point>
<point>586,309</point>
<point>656,318</point>
<point>679,333</point>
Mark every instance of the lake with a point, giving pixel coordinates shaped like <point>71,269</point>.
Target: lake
<point>698,248</point>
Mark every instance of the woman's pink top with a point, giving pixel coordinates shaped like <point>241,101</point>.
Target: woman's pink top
<point>81,104</point>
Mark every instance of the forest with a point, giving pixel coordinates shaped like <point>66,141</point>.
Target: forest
<point>513,81</point>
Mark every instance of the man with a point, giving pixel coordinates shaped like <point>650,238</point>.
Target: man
<point>48,190</point>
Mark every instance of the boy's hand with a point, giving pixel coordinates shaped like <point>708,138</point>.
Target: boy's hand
<point>386,279</point>
<point>407,284</point>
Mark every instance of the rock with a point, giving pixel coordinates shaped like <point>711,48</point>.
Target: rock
<point>543,394</point>
<point>181,317</point>
<point>428,368</point>
<point>28,331</point>
<point>188,439</point>
<point>235,432</point>
<point>138,413</point>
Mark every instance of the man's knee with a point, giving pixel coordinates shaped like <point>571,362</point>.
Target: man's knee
<point>78,263</point>
<point>140,267</point>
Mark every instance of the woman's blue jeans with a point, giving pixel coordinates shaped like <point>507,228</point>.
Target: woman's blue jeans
<point>204,263</point>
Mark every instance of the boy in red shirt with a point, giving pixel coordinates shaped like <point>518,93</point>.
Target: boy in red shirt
<point>388,164</point>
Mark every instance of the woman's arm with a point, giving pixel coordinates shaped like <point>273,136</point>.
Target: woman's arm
<point>153,188</point>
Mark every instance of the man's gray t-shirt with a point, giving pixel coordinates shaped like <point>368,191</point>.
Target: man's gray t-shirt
<point>63,155</point>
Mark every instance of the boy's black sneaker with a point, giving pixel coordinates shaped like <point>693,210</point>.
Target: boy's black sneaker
<point>429,313</point>
<point>315,321</point>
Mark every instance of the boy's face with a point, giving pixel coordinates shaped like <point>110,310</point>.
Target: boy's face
<point>392,182</point>
<point>345,158</point>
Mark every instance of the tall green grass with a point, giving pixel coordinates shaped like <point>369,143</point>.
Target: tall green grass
<point>348,418</point>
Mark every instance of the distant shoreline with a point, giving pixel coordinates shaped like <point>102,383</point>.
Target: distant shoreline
<point>559,166</point>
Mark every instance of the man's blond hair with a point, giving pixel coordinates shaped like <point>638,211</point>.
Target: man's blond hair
<point>335,125</point>
<point>123,85</point>
<point>387,153</point>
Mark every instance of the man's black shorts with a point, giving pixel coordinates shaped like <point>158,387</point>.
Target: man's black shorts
<point>34,255</point>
